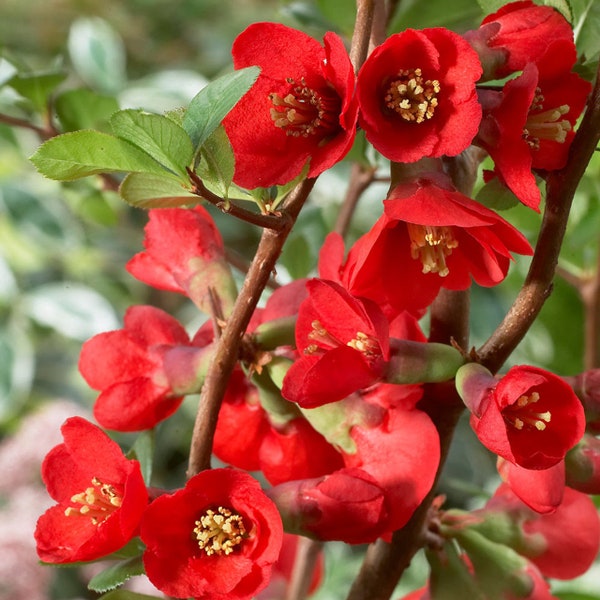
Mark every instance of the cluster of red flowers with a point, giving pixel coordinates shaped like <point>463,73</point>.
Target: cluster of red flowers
<point>335,367</point>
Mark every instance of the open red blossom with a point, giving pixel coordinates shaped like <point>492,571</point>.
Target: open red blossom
<point>417,97</point>
<point>185,254</point>
<point>525,30</point>
<point>142,370</point>
<point>410,437</point>
<point>345,342</point>
<point>529,125</point>
<point>562,544</point>
<point>529,417</point>
<point>430,236</point>
<point>215,539</point>
<point>100,496</point>
<point>301,107</point>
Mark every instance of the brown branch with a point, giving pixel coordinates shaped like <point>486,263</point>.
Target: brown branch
<point>273,221</point>
<point>590,295</point>
<point>226,354</point>
<point>561,186</point>
<point>359,47</point>
<point>360,179</point>
<point>307,554</point>
<point>42,132</point>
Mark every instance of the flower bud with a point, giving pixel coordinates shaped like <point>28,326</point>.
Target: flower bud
<point>583,465</point>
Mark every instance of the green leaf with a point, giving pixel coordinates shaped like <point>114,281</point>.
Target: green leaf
<point>496,196</point>
<point>84,109</point>
<point>143,451</point>
<point>563,7</point>
<point>297,257</point>
<point>98,54</point>
<point>490,6</point>
<point>82,153</point>
<point>218,162</point>
<point>147,190</point>
<point>586,28</point>
<point>116,575</point>
<point>37,87</point>
<point>341,13</point>
<point>126,595</point>
<point>159,136</point>
<point>208,108</point>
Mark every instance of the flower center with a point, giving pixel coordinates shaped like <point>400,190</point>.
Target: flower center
<point>522,415</point>
<point>545,124</point>
<point>97,502</point>
<point>431,245</point>
<point>303,112</point>
<point>323,340</point>
<point>412,97</point>
<point>219,532</point>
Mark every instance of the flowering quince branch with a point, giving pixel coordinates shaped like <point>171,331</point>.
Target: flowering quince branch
<point>226,355</point>
<point>561,186</point>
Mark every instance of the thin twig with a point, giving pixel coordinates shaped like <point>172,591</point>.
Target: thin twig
<point>226,354</point>
<point>360,179</point>
<point>307,554</point>
<point>561,187</point>
<point>273,221</point>
<point>42,132</point>
<point>359,48</point>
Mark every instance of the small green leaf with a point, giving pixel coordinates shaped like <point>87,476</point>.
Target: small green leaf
<point>126,595</point>
<point>208,108</point>
<point>82,153</point>
<point>143,451</point>
<point>37,87</point>
<point>147,190</point>
<point>563,7</point>
<point>159,136</point>
<point>116,575</point>
<point>496,196</point>
<point>84,109</point>
<point>218,162</point>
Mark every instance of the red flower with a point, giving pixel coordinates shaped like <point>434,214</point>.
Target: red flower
<point>525,29</point>
<point>348,505</point>
<point>430,236</point>
<point>529,417</point>
<point>100,494</point>
<point>185,254</point>
<point>345,343</point>
<point>215,539</point>
<point>410,437</point>
<point>143,370</point>
<point>417,95</point>
<point>301,107</point>
<point>529,125</point>
<point>562,544</point>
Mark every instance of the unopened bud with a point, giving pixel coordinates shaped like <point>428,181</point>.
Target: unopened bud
<point>583,465</point>
<point>473,383</point>
<point>419,362</point>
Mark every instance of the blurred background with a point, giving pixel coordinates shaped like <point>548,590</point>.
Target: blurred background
<point>63,247</point>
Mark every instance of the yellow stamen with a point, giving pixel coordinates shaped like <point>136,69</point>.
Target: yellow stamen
<point>412,97</point>
<point>323,340</point>
<point>527,417</point>
<point>219,532</point>
<point>545,124</point>
<point>431,245</point>
<point>303,112</point>
<point>98,502</point>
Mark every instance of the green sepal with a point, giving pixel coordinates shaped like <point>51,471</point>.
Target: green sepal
<point>116,575</point>
<point>450,577</point>
<point>473,382</point>
<point>498,568</point>
<point>279,409</point>
<point>420,362</point>
<point>277,332</point>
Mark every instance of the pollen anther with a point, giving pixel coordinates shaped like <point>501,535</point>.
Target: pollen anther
<point>412,97</point>
<point>431,245</point>
<point>98,502</point>
<point>219,532</point>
